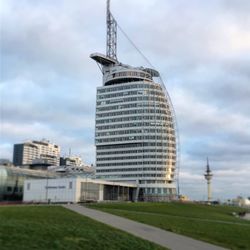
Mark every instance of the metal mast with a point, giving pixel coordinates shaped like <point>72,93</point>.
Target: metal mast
<point>111,34</point>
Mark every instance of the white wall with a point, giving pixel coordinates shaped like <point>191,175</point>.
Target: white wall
<point>58,190</point>
<point>78,189</point>
<point>55,190</point>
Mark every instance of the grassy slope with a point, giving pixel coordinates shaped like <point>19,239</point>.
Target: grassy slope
<point>213,224</point>
<point>54,227</point>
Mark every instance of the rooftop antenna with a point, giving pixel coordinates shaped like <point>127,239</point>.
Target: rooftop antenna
<point>111,34</point>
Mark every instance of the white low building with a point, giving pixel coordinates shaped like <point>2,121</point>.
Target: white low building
<point>241,202</point>
<point>61,190</point>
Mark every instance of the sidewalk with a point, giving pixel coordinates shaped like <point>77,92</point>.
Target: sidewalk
<point>161,237</point>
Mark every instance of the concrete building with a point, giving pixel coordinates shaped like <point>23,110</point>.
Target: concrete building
<point>75,161</point>
<point>34,152</point>
<point>135,126</point>
<point>24,153</point>
<point>73,170</point>
<point>75,190</point>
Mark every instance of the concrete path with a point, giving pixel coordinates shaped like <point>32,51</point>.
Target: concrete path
<point>247,216</point>
<point>161,237</point>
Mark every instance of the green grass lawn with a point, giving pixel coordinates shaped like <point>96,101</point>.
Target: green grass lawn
<point>214,224</point>
<point>54,227</point>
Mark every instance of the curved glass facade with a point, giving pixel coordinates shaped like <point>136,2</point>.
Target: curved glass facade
<point>12,180</point>
<point>135,132</point>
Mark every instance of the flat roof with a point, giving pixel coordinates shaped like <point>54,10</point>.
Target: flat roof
<point>97,181</point>
<point>113,183</point>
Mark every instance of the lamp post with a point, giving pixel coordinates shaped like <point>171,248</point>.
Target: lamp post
<point>86,187</point>
<point>46,191</point>
<point>208,176</point>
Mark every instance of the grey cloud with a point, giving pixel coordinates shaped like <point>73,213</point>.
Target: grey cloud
<point>46,39</point>
<point>222,152</point>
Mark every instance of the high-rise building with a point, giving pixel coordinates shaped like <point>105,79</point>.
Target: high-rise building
<point>31,152</point>
<point>135,128</point>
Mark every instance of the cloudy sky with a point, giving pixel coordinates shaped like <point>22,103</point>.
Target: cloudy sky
<point>202,49</point>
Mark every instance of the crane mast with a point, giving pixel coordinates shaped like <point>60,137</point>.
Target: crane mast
<point>111,34</point>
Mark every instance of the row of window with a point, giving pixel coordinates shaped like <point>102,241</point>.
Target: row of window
<point>132,99</point>
<point>166,151</point>
<point>129,86</point>
<point>132,176</point>
<point>118,101</point>
<point>136,157</point>
<point>134,145</point>
<point>156,191</point>
<point>131,170</point>
<point>135,124</point>
<point>135,118</point>
<point>163,163</point>
<point>135,111</point>
<point>133,105</point>
<point>137,131</point>
<point>135,138</point>
<point>153,181</point>
<point>124,80</point>
<point>127,93</point>
<point>132,73</point>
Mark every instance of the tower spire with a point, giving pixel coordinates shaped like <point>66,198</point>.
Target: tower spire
<point>208,176</point>
<point>111,34</point>
<point>208,168</point>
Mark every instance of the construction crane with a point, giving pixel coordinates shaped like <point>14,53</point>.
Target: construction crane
<point>111,34</point>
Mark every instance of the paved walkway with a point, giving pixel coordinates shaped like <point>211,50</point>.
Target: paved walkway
<point>247,216</point>
<point>150,233</point>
